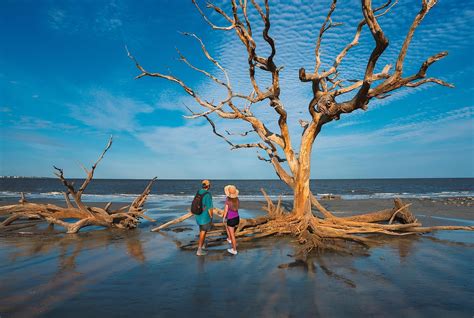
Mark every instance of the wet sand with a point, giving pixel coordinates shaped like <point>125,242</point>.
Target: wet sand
<point>101,273</point>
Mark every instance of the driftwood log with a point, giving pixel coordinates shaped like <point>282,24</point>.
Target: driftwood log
<point>321,233</point>
<point>76,214</point>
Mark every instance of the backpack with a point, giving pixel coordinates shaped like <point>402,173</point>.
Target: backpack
<point>196,205</point>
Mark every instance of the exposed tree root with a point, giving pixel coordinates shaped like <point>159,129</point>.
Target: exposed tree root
<point>339,234</point>
<point>80,214</point>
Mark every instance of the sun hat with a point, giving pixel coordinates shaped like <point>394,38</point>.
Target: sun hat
<point>231,191</point>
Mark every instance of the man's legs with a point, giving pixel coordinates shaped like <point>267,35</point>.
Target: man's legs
<point>202,237</point>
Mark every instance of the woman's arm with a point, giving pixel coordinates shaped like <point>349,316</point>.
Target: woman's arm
<point>226,209</point>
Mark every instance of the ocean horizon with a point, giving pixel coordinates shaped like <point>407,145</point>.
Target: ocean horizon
<point>350,189</point>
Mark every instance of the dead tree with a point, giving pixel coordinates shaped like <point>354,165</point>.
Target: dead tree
<point>323,108</point>
<point>126,217</point>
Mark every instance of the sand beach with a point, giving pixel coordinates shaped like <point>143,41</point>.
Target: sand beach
<point>99,273</point>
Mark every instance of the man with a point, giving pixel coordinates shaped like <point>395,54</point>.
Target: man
<point>204,220</point>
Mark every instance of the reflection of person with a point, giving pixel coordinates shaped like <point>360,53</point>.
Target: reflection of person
<point>231,212</point>
<point>204,220</point>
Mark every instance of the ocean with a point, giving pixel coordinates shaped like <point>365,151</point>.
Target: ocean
<point>100,190</point>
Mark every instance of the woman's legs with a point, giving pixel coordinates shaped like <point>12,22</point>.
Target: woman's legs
<point>232,237</point>
<point>227,230</point>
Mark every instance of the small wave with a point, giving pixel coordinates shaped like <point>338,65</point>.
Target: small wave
<point>9,194</point>
<point>54,193</point>
<point>390,195</point>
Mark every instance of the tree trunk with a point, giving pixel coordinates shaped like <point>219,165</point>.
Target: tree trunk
<point>301,201</point>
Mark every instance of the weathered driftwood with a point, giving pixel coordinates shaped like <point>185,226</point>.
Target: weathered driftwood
<point>186,216</point>
<point>75,210</point>
<point>314,233</point>
<point>332,97</point>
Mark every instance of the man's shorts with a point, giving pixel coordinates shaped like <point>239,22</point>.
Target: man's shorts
<point>205,227</point>
<point>233,222</point>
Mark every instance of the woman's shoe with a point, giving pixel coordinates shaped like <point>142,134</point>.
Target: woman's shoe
<point>232,251</point>
<point>229,241</point>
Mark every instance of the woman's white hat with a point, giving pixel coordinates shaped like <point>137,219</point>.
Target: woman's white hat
<point>231,191</point>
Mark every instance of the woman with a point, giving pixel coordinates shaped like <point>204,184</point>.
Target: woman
<point>231,213</point>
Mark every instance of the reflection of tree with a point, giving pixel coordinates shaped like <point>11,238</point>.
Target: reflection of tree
<point>322,264</point>
<point>404,245</point>
<point>135,249</point>
<point>68,261</point>
<point>71,245</point>
<point>345,268</point>
<point>449,243</point>
<point>72,276</point>
<point>310,265</point>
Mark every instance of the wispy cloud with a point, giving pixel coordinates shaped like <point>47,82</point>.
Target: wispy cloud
<point>33,139</point>
<point>57,18</point>
<point>34,123</point>
<point>71,17</point>
<point>349,123</point>
<point>106,111</point>
<point>192,150</point>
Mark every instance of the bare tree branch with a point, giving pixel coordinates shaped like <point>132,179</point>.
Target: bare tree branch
<point>230,27</point>
<point>90,174</point>
<point>324,27</point>
<point>426,6</point>
<point>187,89</point>
<point>245,133</point>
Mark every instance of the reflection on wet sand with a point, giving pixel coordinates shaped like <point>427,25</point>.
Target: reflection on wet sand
<point>404,245</point>
<point>55,275</point>
<point>68,279</point>
<point>30,246</point>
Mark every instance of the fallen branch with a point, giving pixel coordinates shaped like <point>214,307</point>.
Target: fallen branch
<point>175,221</point>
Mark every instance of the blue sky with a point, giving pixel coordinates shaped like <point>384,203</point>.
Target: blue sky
<point>66,84</point>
